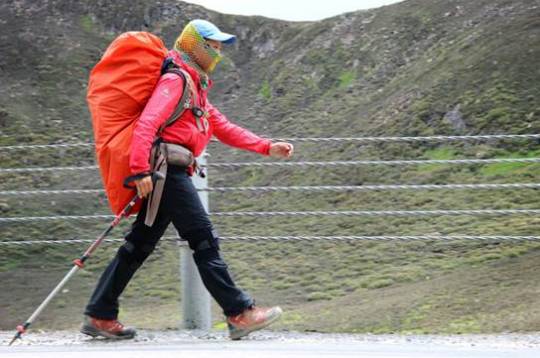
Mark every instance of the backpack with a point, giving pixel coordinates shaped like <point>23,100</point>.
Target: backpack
<point>119,87</point>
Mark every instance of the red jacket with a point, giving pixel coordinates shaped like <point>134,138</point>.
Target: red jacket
<point>184,130</point>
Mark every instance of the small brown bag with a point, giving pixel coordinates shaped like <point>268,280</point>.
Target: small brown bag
<point>177,155</point>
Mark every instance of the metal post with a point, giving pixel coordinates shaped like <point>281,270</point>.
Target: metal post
<point>195,297</point>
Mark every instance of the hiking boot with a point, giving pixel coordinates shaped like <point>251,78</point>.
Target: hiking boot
<point>252,319</point>
<point>108,328</point>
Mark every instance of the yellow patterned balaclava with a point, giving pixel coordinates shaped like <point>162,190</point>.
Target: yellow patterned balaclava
<point>195,47</point>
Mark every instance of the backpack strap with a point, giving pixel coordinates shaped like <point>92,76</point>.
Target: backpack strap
<point>188,92</point>
<point>200,115</point>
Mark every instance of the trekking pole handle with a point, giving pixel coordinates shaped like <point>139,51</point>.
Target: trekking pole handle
<point>155,177</point>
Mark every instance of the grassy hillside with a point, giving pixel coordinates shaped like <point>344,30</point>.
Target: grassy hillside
<point>414,68</point>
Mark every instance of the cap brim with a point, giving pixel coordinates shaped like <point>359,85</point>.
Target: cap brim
<point>223,37</point>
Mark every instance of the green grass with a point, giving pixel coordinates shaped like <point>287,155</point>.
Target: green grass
<point>346,78</point>
<point>463,325</point>
<point>86,22</point>
<point>266,90</point>
<point>506,169</point>
<point>443,153</point>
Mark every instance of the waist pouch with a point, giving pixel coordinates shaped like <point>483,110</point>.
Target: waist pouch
<point>162,155</point>
<point>177,155</point>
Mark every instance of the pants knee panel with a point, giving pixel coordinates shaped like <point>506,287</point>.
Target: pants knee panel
<point>209,258</point>
<point>135,254</point>
<point>202,239</point>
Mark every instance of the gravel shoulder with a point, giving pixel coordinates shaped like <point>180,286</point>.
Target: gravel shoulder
<point>193,344</point>
<point>151,337</point>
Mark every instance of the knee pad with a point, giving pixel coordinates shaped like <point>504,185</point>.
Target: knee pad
<point>135,254</point>
<point>202,239</point>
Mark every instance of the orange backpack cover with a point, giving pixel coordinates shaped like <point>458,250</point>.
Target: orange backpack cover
<point>119,87</point>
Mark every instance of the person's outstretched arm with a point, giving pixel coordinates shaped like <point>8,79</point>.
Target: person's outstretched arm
<point>238,137</point>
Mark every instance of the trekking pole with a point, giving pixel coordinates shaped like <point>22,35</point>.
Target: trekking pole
<point>79,263</point>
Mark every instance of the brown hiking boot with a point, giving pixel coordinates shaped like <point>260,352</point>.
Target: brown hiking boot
<point>252,319</point>
<point>108,328</point>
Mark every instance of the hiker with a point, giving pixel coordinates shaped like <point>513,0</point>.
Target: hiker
<point>196,52</point>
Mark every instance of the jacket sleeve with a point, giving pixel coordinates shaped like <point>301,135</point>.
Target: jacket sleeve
<point>236,136</point>
<point>159,107</point>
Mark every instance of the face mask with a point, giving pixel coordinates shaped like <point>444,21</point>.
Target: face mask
<point>199,51</point>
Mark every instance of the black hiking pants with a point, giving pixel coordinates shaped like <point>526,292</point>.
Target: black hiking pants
<point>180,204</point>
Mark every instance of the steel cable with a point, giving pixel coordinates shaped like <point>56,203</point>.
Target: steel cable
<point>440,138</point>
<point>296,238</point>
<point>306,164</point>
<point>302,188</point>
<point>368,213</point>
<point>374,162</point>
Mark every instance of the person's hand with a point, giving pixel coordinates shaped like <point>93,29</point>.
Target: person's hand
<point>281,150</point>
<point>144,186</point>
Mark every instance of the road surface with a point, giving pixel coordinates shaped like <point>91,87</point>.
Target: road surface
<point>182,344</point>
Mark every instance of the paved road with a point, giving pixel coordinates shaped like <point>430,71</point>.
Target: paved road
<point>265,345</point>
<point>266,350</point>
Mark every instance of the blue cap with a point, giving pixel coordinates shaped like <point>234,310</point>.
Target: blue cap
<point>210,31</point>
